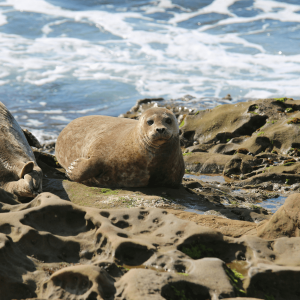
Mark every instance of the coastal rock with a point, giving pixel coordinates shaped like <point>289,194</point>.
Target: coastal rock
<point>79,282</point>
<point>51,248</point>
<point>207,126</point>
<point>274,282</point>
<point>207,163</point>
<point>31,139</point>
<point>260,125</point>
<point>285,222</point>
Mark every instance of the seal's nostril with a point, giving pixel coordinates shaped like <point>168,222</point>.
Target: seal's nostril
<point>160,130</point>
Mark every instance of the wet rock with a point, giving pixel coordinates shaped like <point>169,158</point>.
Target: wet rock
<point>49,147</point>
<point>232,228</point>
<point>240,164</point>
<point>285,222</point>
<point>274,281</point>
<point>227,97</point>
<point>281,178</point>
<point>198,148</point>
<point>153,285</point>
<point>8,198</point>
<point>206,126</point>
<point>79,282</point>
<point>244,298</point>
<point>140,102</point>
<point>257,144</point>
<point>206,163</point>
<point>31,139</point>
<point>260,123</point>
<point>76,252</point>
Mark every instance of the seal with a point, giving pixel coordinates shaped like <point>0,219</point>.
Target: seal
<point>115,152</point>
<point>19,172</point>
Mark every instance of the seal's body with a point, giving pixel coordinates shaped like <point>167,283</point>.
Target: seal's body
<point>19,172</point>
<point>115,152</point>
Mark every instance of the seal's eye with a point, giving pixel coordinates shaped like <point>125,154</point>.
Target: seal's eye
<point>150,122</point>
<point>168,121</point>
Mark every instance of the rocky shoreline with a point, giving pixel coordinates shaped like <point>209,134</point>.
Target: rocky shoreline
<point>210,239</point>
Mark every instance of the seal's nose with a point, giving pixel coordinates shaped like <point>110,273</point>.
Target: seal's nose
<point>160,130</point>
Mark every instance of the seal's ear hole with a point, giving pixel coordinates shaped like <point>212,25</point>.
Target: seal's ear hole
<point>168,121</point>
<point>27,168</point>
<point>150,122</point>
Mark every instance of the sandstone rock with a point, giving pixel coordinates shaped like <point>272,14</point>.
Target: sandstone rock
<point>258,125</point>
<point>206,163</point>
<point>240,164</point>
<point>226,226</point>
<point>274,282</point>
<point>79,282</point>
<point>207,126</point>
<point>285,222</point>
<point>53,249</point>
<point>31,139</point>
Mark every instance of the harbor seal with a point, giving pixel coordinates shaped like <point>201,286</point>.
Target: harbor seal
<point>115,152</point>
<point>19,172</point>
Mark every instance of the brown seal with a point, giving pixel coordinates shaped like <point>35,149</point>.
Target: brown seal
<point>19,172</point>
<point>115,152</point>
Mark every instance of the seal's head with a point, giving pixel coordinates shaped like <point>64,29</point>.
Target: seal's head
<point>159,126</point>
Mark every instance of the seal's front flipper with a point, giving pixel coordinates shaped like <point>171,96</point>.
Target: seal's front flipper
<point>27,168</point>
<point>29,186</point>
<point>83,169</point>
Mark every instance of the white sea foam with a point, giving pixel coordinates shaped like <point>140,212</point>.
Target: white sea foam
<point>33,111</point>
<point>60,118</point>
<point>287,14</point>
<point>43,136</point>
<point>217,6</point>
<point>35,123</point>
<point>3,19</point>
<point>183,61</point>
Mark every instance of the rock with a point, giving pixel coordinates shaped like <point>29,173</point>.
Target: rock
<point>274,282</point>
<point>144,101</point>
<point>31,139</point>
<point>207,163</point>
<point>51,248</point>
<point>240,164</point>
<point>285,222</point>
<point>282,178</point>
<point>85,281</point>
<point>244,298</point>
<point>255,125</point>
<point>49,147</point>
<point>198,148</point>
<point>227,97</point>
<point>206,126</point>
<point>257,144</point>
<point>232,228</point>
<point>146,284</point>
<point>8,198</point>
<point>50,235</point>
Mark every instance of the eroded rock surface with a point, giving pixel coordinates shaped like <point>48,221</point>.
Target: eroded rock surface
<point>53,249</point>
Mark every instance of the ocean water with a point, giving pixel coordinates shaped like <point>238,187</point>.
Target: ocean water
<point>62,59</point>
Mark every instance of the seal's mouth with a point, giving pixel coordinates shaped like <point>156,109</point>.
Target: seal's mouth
<point>161,139</point>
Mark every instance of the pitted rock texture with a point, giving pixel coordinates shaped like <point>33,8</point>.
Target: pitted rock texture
<point>53,249</point>
<point>258,125</point>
